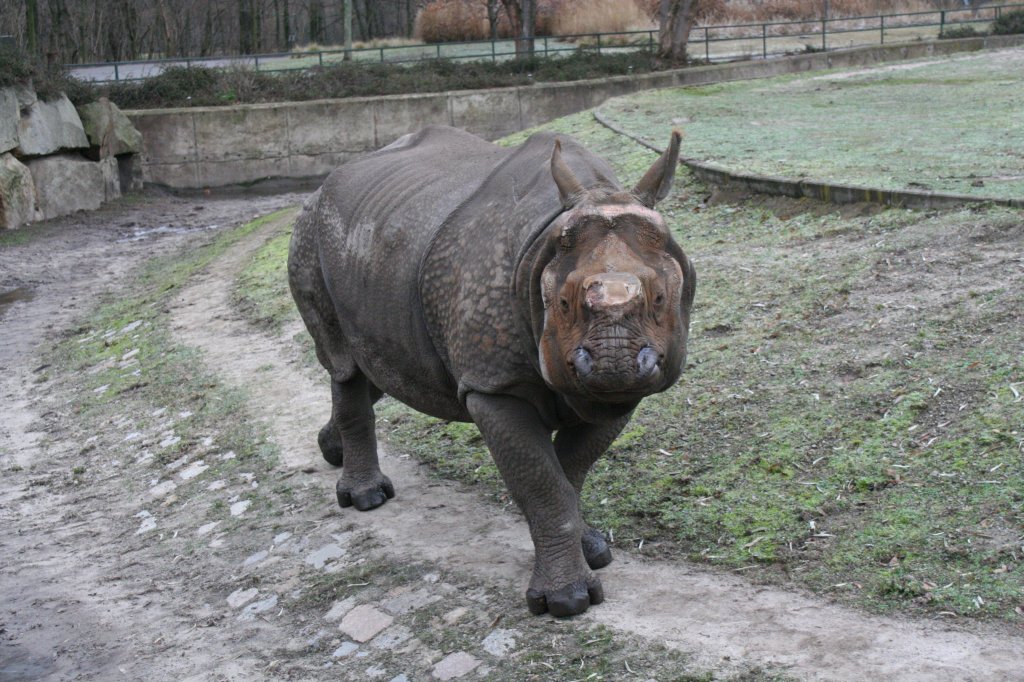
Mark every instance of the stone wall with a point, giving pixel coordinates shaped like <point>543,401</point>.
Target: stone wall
<point>55,159</point>
<point>217,146</point>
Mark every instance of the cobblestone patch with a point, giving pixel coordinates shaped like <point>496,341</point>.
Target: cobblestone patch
<point>364,622</point>
<point>455,665</point>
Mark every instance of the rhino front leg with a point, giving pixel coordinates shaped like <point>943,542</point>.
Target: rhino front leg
<point>362,484</point>
<point>578,447</point>
<point>562,583</point>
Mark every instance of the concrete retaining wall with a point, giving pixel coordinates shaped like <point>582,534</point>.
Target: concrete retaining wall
<point>198,147</point>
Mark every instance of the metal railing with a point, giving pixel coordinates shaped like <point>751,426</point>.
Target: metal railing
<point>714,43</point>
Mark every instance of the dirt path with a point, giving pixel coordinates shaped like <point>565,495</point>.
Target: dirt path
<point>715,616</point>
<point>183,581</point>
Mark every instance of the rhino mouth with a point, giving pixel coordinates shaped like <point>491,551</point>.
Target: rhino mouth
<point>620,373</point>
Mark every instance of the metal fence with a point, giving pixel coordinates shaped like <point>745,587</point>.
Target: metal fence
<point>713,43</point>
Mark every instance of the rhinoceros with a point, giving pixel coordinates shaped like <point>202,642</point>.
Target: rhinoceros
<point>521,289</point>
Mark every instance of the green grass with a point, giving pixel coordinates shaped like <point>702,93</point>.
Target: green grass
<point>948,126</point>
<point>261,289</point>
<point>848,421</point>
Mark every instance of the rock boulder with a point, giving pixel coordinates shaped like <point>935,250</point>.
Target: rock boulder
<point>17,193</point>
<point>80,182</point>
<point>111,178</point>
<point>109,131</point>
<point>47,127</point>
<point>10,113</point>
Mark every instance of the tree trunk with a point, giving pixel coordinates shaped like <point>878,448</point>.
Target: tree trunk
<point>675,20</point>
<point>286,23</point>
<point>492,17</point>
<point>347,21</point>
<point>244,27</point>
<point>522,15</point>
<point>32,21</point>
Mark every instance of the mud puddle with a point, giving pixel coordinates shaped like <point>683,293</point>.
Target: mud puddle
<point>9,298</point>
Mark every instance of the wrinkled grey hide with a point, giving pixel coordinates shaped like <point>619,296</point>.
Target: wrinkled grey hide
<point>522,289</point>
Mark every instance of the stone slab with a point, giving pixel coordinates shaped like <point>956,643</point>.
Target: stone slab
<point>17,193</point>
<point>364,622</point>
<point>109,131</point>
<point>455,665</point>
<point>48,127</point>
<point>66,183</point>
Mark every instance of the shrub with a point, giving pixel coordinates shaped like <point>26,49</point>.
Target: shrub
<point>1011,22</point>
<point>172,88</point>
<point>15,68</point>
<point>210,87</point>
<point>965,31</point>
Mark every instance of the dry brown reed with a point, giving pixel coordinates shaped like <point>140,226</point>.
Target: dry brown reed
<point>598,16</point>
<point>452,20</point>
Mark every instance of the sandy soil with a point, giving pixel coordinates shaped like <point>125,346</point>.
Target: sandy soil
<point>100,582</point>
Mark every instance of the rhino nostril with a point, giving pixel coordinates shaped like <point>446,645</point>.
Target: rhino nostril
<point>582,361</point>
<point>646,361</point>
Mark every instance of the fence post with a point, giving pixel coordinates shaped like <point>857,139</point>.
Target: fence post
<point>117,76</point>
<point>438,51</point>
<point>824,44</point>
<point>942,22</point>
<point>494,52</point>
<point>707,46</point>
<point>764,41</point>
<point>599,44</point>
<point>320,57</point>
<point>257,58</point>
<point>382,55</point>
<point>545,46</point>
<point>882,29</point>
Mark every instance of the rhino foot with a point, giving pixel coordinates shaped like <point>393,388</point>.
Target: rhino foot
<point>570,600</point>
<point>330,444</point>
<point>595,549</point>
<point>365,496</point>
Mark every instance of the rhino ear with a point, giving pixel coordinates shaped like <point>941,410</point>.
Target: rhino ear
<point>657,181</point>
<point>569,187</point>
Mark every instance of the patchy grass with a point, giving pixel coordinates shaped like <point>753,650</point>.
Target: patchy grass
<point>946,125</point>
<point>261,289</point>
<point>851,419</point>
<point>127,364</point>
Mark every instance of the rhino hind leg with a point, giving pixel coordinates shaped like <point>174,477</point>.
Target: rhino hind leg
<point>595,548</point>
<point>362,484</point>
<point>329,438</point>
<point>329,441</point>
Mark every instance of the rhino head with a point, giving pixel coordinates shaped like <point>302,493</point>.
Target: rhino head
<point>609,289</point>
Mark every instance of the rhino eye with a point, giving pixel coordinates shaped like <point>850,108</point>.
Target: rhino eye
<point>564,303</point>
<point>567,239</point>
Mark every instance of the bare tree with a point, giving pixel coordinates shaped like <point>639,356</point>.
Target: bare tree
<point>522,15</point>
<point>675,20</point>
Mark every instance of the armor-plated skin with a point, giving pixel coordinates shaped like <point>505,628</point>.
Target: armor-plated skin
<point>522,289</point>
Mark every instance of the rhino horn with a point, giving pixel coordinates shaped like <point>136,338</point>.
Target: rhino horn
<point>569,187</point>
<point>657,181</point>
